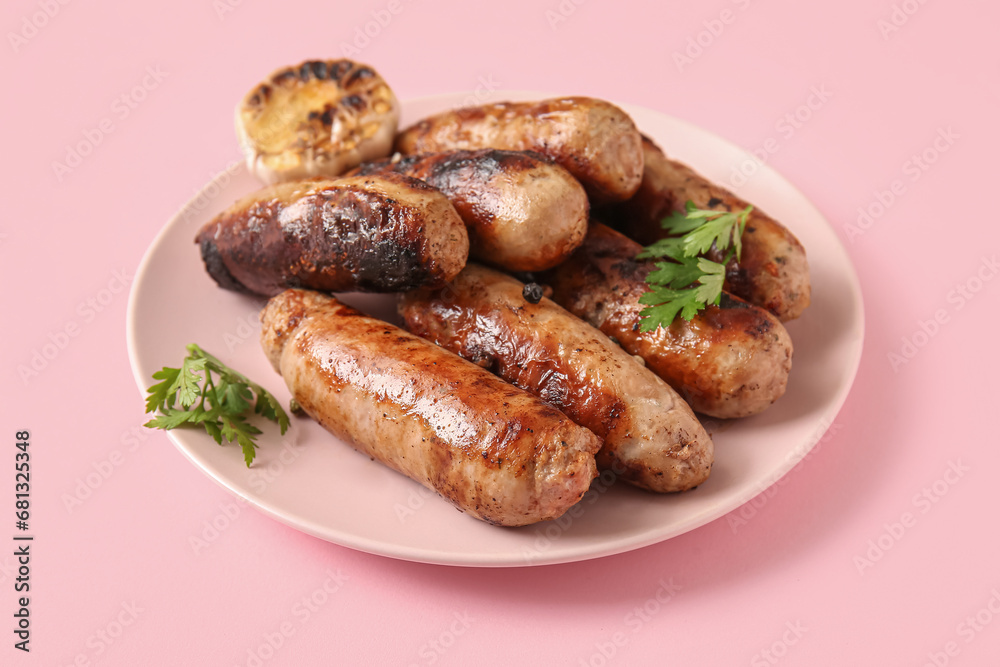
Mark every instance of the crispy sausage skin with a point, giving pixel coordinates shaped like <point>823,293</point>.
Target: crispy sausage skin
<point>366,233</point>
<point>523,212</point>
<point>493,450</point>
<point>730,360</point>
<point>651,437</point>
<point>772,273</point>
<point>595,140</point>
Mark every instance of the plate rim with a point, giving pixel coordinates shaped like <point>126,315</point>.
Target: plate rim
<point>443,557</point>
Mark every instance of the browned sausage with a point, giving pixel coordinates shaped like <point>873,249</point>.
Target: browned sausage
<point>366,233</point>
<point>772,272</point>
<point>731,360</point>
<point>595,140</point>
<point>523,212</point>
<point>493,450</point>
<point>651,437</point>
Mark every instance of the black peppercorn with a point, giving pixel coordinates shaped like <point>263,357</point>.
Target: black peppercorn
<point>532,292</point>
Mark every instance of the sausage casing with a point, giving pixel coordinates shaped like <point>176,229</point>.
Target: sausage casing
<point>523,212</point>
<point>594,140</point>
<point>772,272</point>
<point>365,233</point>
<point>730,360</point>
<point>651,437</point>
<point>493,450</point>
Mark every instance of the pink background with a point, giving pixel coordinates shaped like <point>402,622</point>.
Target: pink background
<point>791,560</point>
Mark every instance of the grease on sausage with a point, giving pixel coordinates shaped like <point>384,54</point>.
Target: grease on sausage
<point>523,212</point>
<point>493,450</point>
<point>382,233</point>
<point>730,360</point>
<point>651,437</point>
<point>772,272</point>
<point>594,140</point>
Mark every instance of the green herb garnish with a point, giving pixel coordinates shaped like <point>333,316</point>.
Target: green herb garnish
<point>685,283</point>
<point>190,396</point>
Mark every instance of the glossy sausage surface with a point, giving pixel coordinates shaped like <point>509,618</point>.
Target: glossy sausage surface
<point>772,273</point>
<point>594,140</point>
<point>523,212</point>
<point>651,437</point>
<point>493,450</point>
<point>730,360</point>
<point>381,233</point>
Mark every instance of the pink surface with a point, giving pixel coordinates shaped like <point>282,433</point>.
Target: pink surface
<point>873,551</point>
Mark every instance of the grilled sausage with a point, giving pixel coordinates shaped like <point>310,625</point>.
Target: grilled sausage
<point>651,437</point>
<point>730,360</point>
<point>772,272</point>
<point>594,140</point>
<point>491,449</point>
<point>366,233</point>
<point>523,212</point>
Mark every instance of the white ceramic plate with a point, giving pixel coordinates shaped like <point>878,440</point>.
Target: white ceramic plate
<point>313,482</point>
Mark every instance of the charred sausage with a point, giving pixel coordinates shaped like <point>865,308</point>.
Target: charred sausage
<point>365,233</point>
<point>523,212</point>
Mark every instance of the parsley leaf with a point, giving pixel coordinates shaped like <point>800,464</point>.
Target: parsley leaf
<point>676,275</point>
<point>665,304</point>
<point>215,397</point>
<point>702,228</point>
<point>686,283</point>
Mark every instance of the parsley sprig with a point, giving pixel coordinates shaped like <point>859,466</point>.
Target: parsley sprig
<point>685,283</point>
<point>191,396</point>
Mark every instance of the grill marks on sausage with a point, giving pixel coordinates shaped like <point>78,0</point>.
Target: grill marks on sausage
<point>466,322</point>
<point>594,140</point>
<point>454,170</point>
<point>706,359</point>
<point>493,450</point>
<point>759,277</point>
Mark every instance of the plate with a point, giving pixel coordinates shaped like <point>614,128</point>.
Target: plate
<point>311,481</point>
